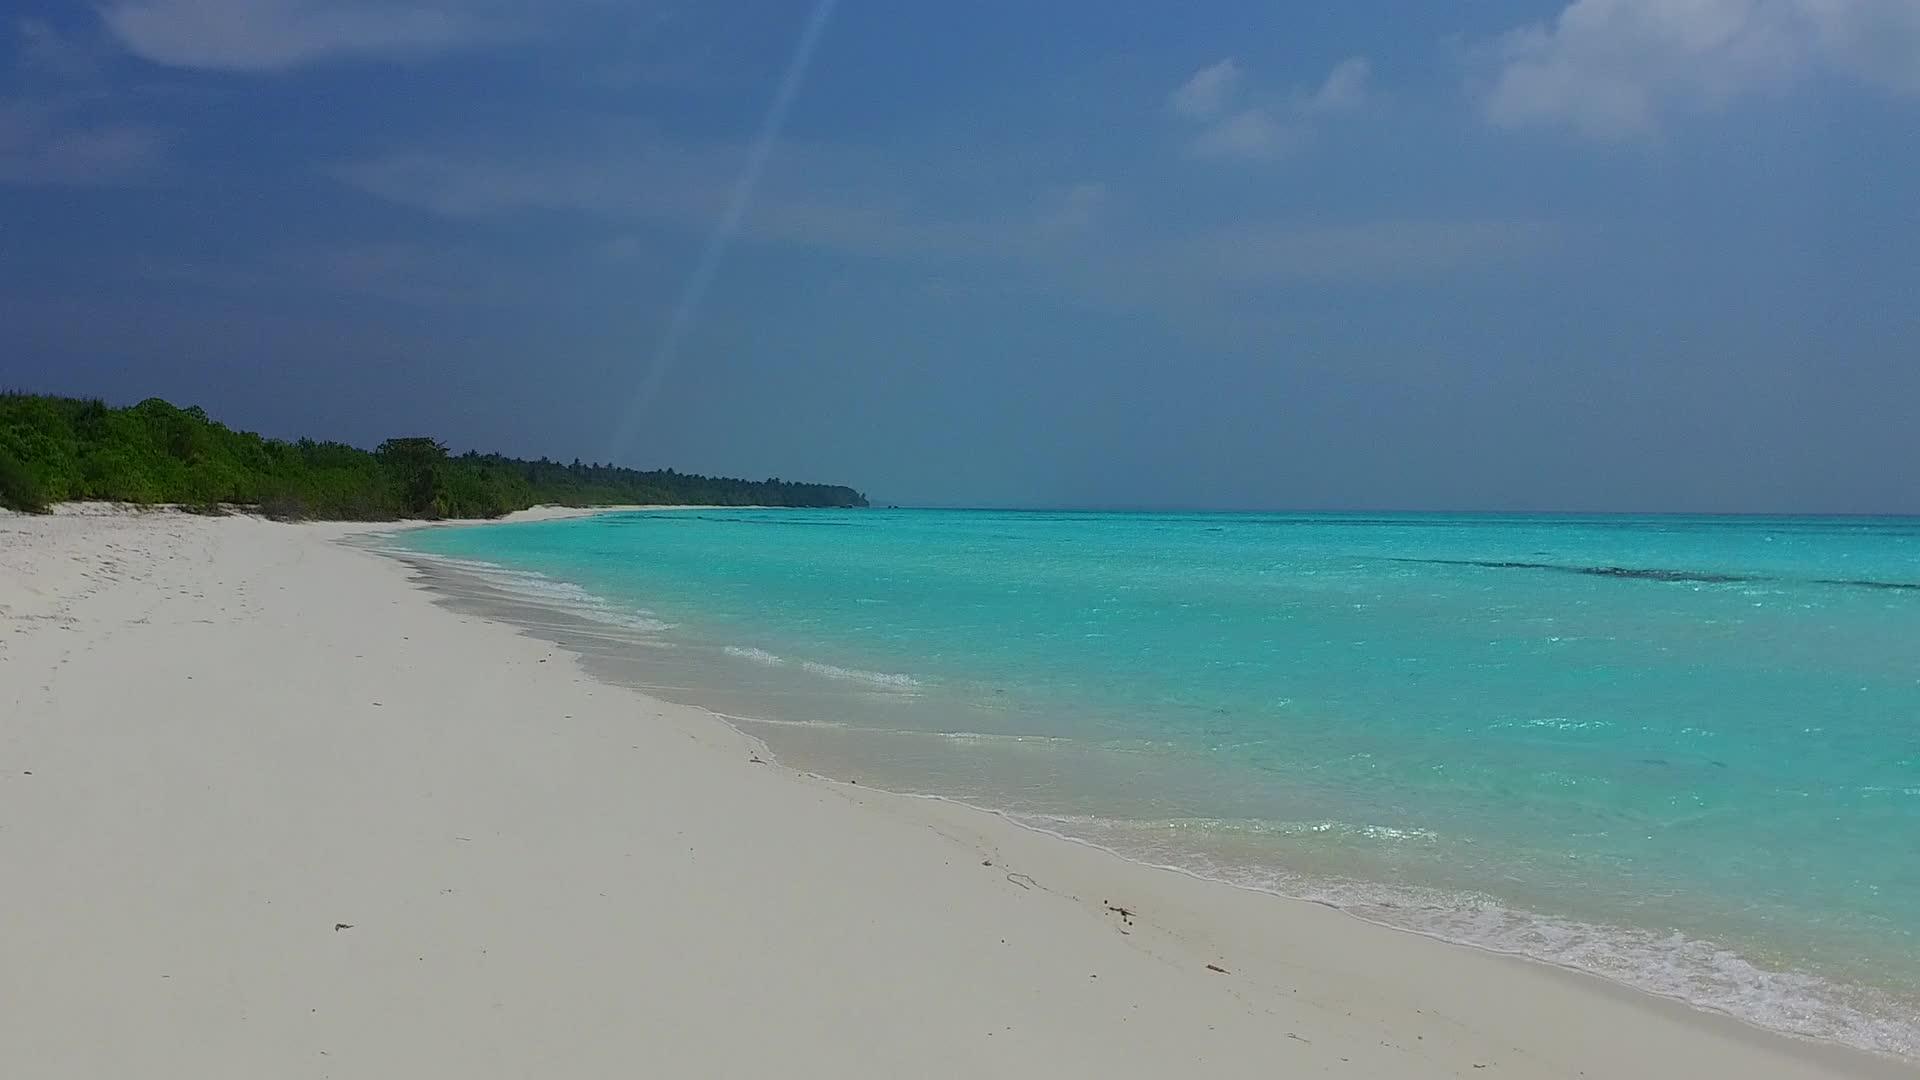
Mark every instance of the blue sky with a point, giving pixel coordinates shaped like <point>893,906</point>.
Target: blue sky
<point>1607,254</point>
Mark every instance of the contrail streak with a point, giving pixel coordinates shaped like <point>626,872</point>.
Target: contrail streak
<point>667,351</point>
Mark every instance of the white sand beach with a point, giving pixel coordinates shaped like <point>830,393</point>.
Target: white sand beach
<point>267,810</point>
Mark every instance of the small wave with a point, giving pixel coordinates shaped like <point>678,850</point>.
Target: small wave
<point>1231,826</point>
<point>999,737</point>
<point>830,671</point>
<point>758,656</point>
<point>536,587</point>
<point>1702,973</point>
<point>875,678</point>
<point>1554,723</point>
<point>834,725</point>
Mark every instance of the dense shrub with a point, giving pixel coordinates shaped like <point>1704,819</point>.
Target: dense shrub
<point>19,488</point>
<point>59,449</point>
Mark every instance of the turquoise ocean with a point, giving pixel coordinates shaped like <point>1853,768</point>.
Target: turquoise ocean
<point>1682,753</point>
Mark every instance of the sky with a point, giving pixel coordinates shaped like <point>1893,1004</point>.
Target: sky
<point>1657,255</point>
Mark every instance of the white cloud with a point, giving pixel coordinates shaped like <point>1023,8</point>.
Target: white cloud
<point>1207,92</point>
<point>1345,88</point>
<point>1613,69</point>
<point>1263,130</point>
<point>265,35</point>
<point>1876,41</point>
<point>1251,134</point>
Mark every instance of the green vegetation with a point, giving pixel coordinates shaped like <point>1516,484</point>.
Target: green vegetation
<point>58,449</point>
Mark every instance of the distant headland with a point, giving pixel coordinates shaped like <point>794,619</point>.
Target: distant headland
<point>57,449</point>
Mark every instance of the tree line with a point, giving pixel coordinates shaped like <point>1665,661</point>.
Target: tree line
<point>56,449</point>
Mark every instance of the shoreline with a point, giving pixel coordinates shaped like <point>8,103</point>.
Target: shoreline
<point>479,588</point>
<point>543,512</point>
<point>214,787</point>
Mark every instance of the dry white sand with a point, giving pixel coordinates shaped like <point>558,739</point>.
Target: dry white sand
<point>268,811</point>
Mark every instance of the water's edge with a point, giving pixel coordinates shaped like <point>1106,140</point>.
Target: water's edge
<point>1802,1007</point>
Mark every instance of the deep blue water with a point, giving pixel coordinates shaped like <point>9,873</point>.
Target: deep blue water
<point>1683,752</point>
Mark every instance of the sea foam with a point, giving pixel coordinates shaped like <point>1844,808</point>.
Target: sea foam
<point>828,671</point>
<point>1701,973</point>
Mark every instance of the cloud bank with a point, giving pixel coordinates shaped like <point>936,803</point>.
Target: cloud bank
<point>1230,127</point>
<point>1614,69</point>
